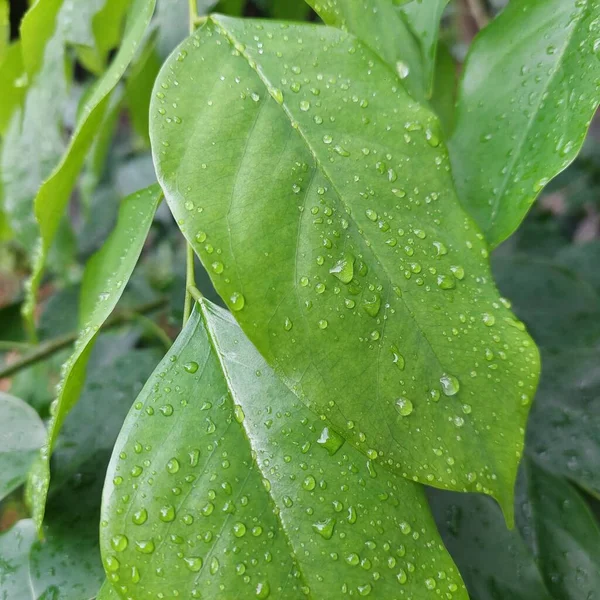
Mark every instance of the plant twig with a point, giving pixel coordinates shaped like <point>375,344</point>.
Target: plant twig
<point>478,12</point>
<point>195,293</point>
<point>190,279</point>
<point>47,349</point>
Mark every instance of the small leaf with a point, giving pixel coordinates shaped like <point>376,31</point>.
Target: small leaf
<point>530,89</point>
<point>54,193</point>
<point>104,280</point>
<point>424,18</point>
<point>305,175</point>
<point>22,434</point>
<point>383,28</point>
<point>217,454</point>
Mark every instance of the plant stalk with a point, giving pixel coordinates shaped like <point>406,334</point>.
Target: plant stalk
<point>47,349</point>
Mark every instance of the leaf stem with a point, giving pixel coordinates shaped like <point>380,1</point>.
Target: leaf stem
<point>47,349</point>
<point>195,293</point>
<point>190,280</point>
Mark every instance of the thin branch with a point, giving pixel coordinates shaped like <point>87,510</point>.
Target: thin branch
<point>479,12</point>
<point>47,349</point>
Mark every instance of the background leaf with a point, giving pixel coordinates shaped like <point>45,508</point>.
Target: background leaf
<point>382,27</point>
<point>424,18</point>
<point>243,463</point>
<point>22,434</point>
<point>530,88</point>
<point>53,195</point>
<point>361,279</point>
<point>104,280</point>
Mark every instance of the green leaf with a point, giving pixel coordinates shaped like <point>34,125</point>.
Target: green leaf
<point>4,27</point>
<point>493,560</point>
<point>333,232</point>
<point>444,89</point>
<point>563,535</point>
<point>424,18</point>
<point>66,565</point>
<point>382,28</point>
<point>107,592</point>
<point>22,434</point>
<point>529,91</point>
<point>113,380</point>
<point>569,315</point>
<point>107,27</point>
<point>53,196</point>
<point>217,454</point>
<point>583,259</point>
<point>104,279</point>
<point>292,10</point>
<point>15,546</point>
<point>138,87</point>
<point>562,432</point>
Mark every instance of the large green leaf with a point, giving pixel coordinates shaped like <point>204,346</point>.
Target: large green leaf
<point>384,29</point>
<point>318,196</point>
<point>223,485</point>
<point>53,195</point>
<point>104,281</point>
<point>530,88</point>
<point>12,82</point>
<point>22,434</point>
<point>424,18</point>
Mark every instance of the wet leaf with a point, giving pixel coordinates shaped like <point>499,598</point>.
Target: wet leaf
<point>22,434</point>
<point>222,480</point>
<point>104,280</point>
<point>384,29</point>
<point>444,88</point>
<point>53,195</point>
<point>333,233</point>
<point>530,89</point>
<point>562,432</point>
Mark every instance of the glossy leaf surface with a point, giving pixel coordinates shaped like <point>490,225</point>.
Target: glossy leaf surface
<point>333,232</point>
<point>22,434</point>
<point>105,277</point>
<point>223,484</point>
<point>383,28</point>
<point>53,195</point>
<point>530,88</point>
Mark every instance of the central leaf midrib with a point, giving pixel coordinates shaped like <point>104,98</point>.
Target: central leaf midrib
<point>213,341</point>
<point>264,79</point>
